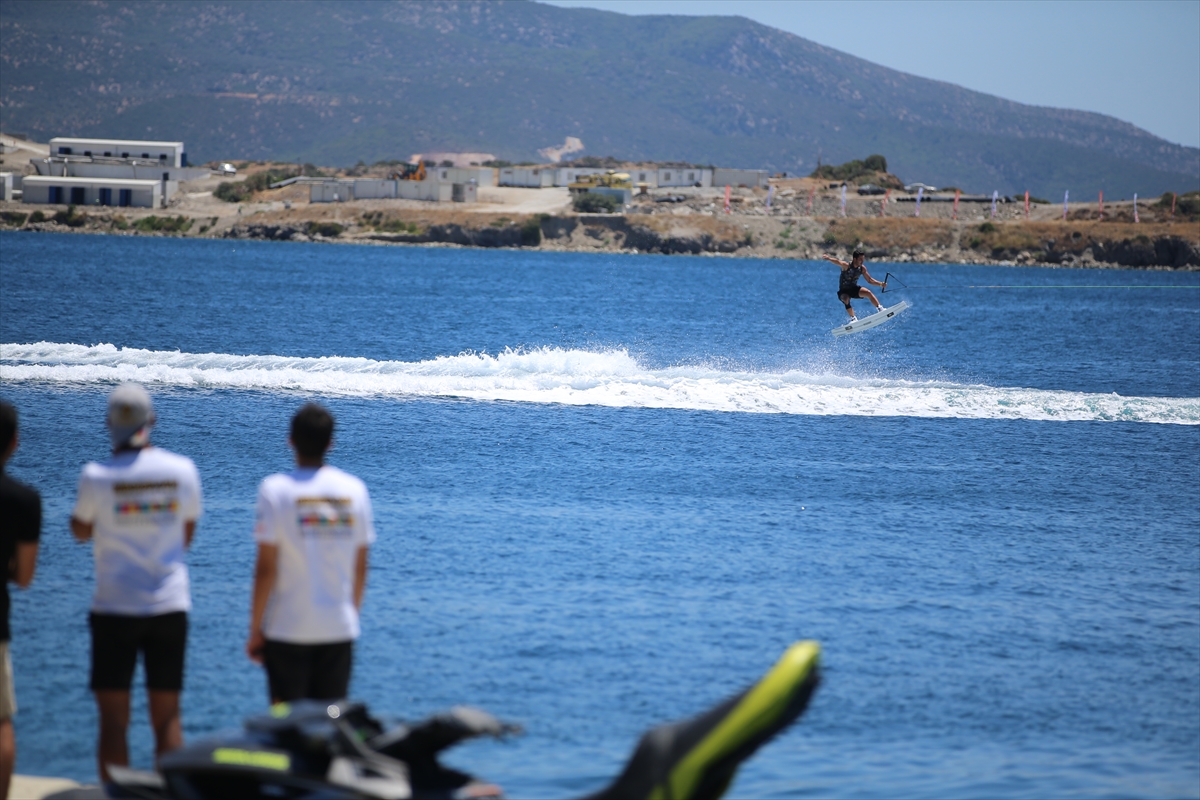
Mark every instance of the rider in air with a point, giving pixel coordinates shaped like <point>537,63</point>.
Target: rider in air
<point>849,289</point>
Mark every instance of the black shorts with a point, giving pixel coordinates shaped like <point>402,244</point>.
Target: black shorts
<point>848,293</point>
<point>308,671</point>
<point>117,640</point>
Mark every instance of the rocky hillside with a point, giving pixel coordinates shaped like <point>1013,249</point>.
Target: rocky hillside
<point>336,81</point>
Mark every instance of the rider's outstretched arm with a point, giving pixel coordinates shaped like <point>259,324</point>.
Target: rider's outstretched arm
<point>833,260</point>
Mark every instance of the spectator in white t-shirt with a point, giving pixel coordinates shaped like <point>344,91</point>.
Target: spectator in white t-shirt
<point>139,509</point>
<point>313,529</point>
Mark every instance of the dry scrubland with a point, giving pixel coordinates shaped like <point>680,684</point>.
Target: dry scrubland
<point>694,223</point>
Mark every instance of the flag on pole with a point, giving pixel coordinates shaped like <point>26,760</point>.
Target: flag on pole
<point>727,198</point>
<point>920,194</point>
<point>957,192</point>
<point>1026,204</point>
<point>1173,196</point>
<point>1135,214</point>
<point>843,199</point>
<point>883,203</point>
<point>1101,205</point>
<point>1066,197</point>
<point>995,195</point>
<point>770,195</point>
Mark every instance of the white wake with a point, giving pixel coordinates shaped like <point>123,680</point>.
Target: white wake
<point>578,377</point>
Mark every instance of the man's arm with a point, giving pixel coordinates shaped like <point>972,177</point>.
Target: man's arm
<point>192,506</point>
<point>360,577</point>
<point>265,573</point>
<point>82,530</point>
<point>870,280</point>
<point>832,260</point>
<point>867,275</point>
<point>26,563</point>
<point>84,507</point>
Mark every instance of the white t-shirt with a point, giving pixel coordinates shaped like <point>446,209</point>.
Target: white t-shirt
<point>318,518</point>
<point>138,502</point>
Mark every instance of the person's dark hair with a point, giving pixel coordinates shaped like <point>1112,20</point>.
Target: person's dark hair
<point>8,424</point>
<point>312,430</point>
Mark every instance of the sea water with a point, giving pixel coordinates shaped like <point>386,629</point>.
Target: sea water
<point>611,489</point>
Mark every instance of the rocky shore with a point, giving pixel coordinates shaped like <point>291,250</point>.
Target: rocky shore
<point>1081,240</point>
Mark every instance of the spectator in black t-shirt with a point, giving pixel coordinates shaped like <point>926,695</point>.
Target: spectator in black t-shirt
<point>20,526</point>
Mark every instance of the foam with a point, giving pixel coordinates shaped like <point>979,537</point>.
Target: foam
<point>578,377</point>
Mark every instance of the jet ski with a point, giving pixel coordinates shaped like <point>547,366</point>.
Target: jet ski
<point>320,750</point>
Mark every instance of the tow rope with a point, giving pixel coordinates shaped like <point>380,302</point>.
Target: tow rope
<point>890,277</point>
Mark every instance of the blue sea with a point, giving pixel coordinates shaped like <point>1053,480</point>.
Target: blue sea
<point>611,489</point>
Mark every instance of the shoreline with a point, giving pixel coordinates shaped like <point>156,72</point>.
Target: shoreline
<point>1079,241</point>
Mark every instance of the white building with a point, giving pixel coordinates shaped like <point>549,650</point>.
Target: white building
<point>91,191</point>
<point>168,153</point>
<point>109,160</point>
<point>341,191</point>
<point>483,176</point>
<point>133,169</point>
<point>687,176</point>
<point>751,178</point>
<point>531,177</point>
<point>6,186</point>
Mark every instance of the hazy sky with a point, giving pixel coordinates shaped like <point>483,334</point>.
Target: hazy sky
<point>1137,61</point>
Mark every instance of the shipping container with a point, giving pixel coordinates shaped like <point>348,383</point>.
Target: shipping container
<point>686,176</point>
<point>374,188</point>
<point>330,191</point>
<point>529,177</point>
<point>483,176</point>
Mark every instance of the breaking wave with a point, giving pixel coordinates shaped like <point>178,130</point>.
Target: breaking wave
<point>579,377</point>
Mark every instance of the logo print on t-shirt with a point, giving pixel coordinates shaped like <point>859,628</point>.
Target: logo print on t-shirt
<point>325,516</point>
<point>146,503</point>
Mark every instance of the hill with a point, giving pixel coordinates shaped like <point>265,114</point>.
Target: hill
<point>335,82</point>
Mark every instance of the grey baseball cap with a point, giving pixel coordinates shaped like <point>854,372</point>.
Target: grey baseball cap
<point>130,413</point>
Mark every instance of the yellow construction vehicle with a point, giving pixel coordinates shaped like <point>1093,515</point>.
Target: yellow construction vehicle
<point>409,172</point>
<point>607,180</point>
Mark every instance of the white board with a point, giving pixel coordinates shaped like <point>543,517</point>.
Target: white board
<point>871,320</point>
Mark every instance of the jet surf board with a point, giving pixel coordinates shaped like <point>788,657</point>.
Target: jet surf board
<point>871,320</point>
